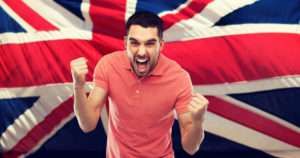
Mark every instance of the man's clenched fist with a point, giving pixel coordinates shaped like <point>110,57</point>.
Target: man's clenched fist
<point>79,69</point>
<point>198,106</point>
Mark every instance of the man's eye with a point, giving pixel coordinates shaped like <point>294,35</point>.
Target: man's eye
<point>150,44</point>
<point>134,43</point>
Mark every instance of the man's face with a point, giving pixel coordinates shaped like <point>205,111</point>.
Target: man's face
<point>143,46</point>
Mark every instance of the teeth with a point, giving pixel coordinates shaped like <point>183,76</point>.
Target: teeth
<point>141,61</point>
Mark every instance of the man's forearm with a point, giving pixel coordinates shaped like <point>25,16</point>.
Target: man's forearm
<point>193,137</point>
<point>84,114</point>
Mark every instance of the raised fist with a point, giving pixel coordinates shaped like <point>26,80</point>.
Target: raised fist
<point>79,69</point>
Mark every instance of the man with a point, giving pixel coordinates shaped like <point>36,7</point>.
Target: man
<point>145,87</point>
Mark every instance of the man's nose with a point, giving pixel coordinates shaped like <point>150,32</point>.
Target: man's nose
<point>142,51</point>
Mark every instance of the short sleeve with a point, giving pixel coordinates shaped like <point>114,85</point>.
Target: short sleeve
<point>100,76</point>
<point>185,94</point>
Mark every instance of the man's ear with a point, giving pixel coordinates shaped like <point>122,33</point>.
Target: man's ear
<point>125,42</point>
<point>162,44</point>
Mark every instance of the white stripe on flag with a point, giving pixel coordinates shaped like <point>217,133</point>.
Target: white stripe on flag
<point>85,9</point>
<point>238,133</point>
<point>281,82</point>
<point>49,135</point>
<point>57,93</point>
<point>56,14</point>
<point>66,33</point>
<point>130,8</point>
<point>182,6</point>
<point>262,113</point>
<point>194,30</point>
<point>211,14</point>
<point>215,10</point>
<point>16,17</point>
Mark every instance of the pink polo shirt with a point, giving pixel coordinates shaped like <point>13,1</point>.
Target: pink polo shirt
<point>141,110</point>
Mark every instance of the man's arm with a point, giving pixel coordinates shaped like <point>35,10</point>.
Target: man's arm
<point>87,109</point>
<point>191,124</point>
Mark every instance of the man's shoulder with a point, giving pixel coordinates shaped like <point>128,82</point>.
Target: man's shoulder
<point>174,67</point>
<point>110,60</point>
<point>116,55</point>
<point>177,74</point>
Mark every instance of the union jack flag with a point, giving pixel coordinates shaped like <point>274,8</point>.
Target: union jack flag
<point>242,55</point>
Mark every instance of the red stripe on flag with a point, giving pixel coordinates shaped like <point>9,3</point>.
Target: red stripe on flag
<point>31,17</point>
<point>237,57</point>
<point>189,11</point>
<point>107,44</point>
<point>210,60</point>
<point>32,64</point>
<point>254,120</point>
<point>108,17</point>
<point>39,132</point>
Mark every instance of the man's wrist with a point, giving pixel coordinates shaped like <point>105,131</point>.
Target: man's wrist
<point>78,85</point>
<point>198,121</point>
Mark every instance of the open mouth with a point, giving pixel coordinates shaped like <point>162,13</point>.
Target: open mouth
<point>142,64</point>
<point>141,61</point>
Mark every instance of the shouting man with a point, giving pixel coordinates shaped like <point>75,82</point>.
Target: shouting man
<point>144,87</point>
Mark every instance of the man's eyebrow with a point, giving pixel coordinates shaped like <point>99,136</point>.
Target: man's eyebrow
<point>151,40</point>
<point>132,39</point>
<point>135,40</point>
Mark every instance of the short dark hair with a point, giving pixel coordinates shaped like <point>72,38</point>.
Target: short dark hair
<point>145,19</point>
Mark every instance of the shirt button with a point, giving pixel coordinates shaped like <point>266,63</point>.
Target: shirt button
<point>137,91</point>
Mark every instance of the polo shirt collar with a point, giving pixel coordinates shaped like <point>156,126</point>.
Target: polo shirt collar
<point>158,69</point>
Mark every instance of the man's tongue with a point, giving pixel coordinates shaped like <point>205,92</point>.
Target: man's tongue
<point>142,67</point>
<point>141,64</point>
